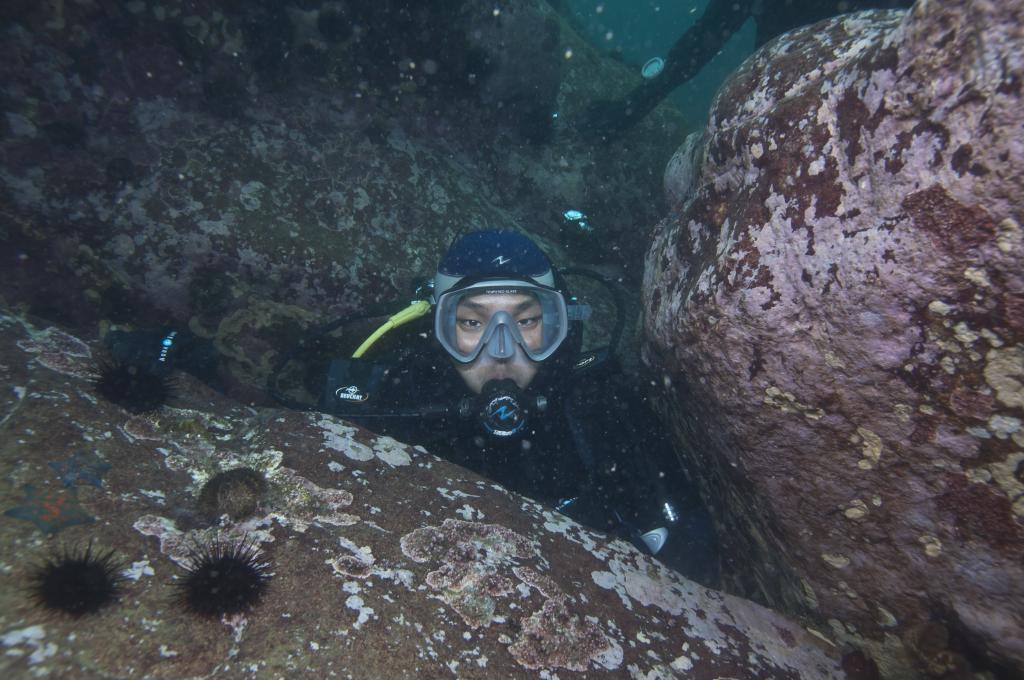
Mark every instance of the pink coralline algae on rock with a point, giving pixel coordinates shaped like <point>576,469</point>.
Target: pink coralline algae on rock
<point>477,570</point>
<point>553,637</point>
<point>837,306</point>
<point>473,560</point>
<point>61,352</point>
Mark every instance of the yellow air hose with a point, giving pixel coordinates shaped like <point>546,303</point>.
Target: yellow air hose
<point>413,311</point>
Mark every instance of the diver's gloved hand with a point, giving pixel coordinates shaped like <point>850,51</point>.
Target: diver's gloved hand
<point>604,119</point>
<point>160,351</point>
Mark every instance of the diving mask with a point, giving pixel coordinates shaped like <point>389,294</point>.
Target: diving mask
<point>499,315</point>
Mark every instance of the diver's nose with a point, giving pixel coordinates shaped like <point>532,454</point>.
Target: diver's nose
<point>502,345</point>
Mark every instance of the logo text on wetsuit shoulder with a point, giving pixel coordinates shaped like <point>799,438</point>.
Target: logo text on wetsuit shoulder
<point>586,361</point>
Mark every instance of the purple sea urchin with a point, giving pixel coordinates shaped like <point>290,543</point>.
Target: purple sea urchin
<point>133,387</point>
<point>224,579</point>
<point>77,582</point>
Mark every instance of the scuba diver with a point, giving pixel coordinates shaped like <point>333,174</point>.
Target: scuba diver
<point>701,42</point>
<point>495,380</point>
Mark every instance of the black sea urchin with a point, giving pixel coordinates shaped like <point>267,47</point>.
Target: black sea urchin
<point>224,579</point>
<point>133,387</point>
<point>77,582</point>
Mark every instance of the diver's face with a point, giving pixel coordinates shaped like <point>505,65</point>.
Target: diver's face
<point>471,317</point>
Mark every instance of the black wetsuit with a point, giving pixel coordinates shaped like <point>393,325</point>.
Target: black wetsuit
<point>596,451</point>
<point>703,40</point>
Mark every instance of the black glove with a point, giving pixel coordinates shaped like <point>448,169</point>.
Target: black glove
<point>160,351</point>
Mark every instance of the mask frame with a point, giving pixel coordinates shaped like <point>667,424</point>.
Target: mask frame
<point>501,334</point>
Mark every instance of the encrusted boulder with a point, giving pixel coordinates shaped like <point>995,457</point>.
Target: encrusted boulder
<point>837,305</point>
<point>361,556</point>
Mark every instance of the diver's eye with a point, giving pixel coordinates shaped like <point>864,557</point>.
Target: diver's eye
<point>529,322</point>
<point>469,324</point>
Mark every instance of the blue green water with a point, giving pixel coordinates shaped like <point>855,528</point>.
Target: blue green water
<point>641,29</point>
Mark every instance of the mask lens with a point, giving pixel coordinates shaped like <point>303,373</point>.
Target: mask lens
<point>497,316</point>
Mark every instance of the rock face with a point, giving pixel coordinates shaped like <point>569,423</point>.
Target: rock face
<point>837,304</point>
<point>383,561</point>
<point>253,169</point>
